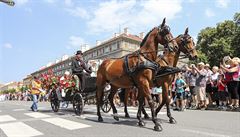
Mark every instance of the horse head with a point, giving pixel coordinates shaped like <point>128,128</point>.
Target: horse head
<point>187,45</point>
<point>159,35</point>
<point>165,36</point>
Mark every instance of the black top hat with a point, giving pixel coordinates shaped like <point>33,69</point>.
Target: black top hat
<point>79,52</point>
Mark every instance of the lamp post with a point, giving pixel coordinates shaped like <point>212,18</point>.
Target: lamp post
<point>8,2</point>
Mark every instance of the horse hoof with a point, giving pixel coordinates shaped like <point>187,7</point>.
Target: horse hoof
<point>141,123</point>
<point>116,118</point>
<point>172,121</point>
<point>158,128</point>
<point>127,116</point>
<point>146,117</point>
<point>100,119</point>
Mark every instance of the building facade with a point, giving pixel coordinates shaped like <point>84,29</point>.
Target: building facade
<point>10,85</point>
<point>58,68</point>
<point>118,46</point>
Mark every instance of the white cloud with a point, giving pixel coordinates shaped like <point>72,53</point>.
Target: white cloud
<point>75,42</point>
<point>21,2</point>
<point>8,46</point>
<point>209,13</point>
<point>134,14</point>
<point>68,3</point>
<point>79,12</point>
<point>222,3</point>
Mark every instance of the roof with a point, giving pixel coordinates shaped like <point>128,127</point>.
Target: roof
<point>129,36</point>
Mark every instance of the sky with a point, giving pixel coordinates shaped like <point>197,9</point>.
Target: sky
<point>35,32</point>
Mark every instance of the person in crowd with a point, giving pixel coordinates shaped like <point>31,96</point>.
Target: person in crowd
<point>209,91</point>
<point>180,84</point>
<point>201,85</point>
<point>213,81</point>
<point>78,65</point>
<point>192,83</point>
<point>222,94</point>
<point>35,91</point>
<point>231,74</point>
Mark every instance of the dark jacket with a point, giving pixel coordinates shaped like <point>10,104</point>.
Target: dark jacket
<point>78,66</point>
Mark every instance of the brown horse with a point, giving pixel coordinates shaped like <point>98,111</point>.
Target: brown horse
<point>119,72</point>
<point>185,45</point>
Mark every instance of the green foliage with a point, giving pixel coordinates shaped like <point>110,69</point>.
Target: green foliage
<point>216,42</point>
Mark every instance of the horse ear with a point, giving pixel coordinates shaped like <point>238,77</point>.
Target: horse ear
<point>163,23</point>
<point>186,31</point>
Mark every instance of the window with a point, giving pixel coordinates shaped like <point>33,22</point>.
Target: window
<point>114,46</point>
<point>95,53</point>
<point>100,51</point>
<point>106,49</point>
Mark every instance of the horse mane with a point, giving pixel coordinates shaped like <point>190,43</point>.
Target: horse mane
<point>183,35</point>
<point>145,38</point>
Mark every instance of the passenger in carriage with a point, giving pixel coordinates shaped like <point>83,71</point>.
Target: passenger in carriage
<point>78,65</point>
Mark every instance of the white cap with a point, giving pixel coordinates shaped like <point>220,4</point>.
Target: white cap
<point>67,73</point>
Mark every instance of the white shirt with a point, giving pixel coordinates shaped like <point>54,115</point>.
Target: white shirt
<point>214,77</point>
<point>208,75</point>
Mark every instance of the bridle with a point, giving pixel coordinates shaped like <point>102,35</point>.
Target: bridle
<point>184,42</point>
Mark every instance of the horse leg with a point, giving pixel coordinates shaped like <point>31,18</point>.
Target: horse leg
<point>146,116</point>
<point>171,119</point>
<point>157,126</point>
<point>167,100</point>
<point>111,97</point>
<point>126,103</point>
<point>145,88</point>
<point>140,106</point>
<point>99,97</point>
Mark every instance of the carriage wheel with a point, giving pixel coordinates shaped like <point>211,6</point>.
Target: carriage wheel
<point>78,104</point>
<point>106,107</point>
<point>55,103</point>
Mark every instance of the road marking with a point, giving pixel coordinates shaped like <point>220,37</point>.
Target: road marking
<point>89,116</point>
<point>6,118</point>
<point>42,108</point>
<point>19,109</point>
<point>19,129</point>
<point>204,133</point>
<point>37,115</point>
<point>70,125</point>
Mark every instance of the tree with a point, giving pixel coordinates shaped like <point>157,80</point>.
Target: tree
<point>236,18</point>
<point>216,42</point>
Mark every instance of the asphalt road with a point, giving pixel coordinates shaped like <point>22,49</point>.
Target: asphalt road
<point>16,120</point>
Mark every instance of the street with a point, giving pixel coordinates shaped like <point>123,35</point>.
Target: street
<point>16,120</point>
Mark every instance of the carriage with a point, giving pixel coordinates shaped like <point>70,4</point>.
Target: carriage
<point>79,98</point>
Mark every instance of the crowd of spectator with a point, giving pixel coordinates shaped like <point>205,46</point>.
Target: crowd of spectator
<point>204,87</point>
